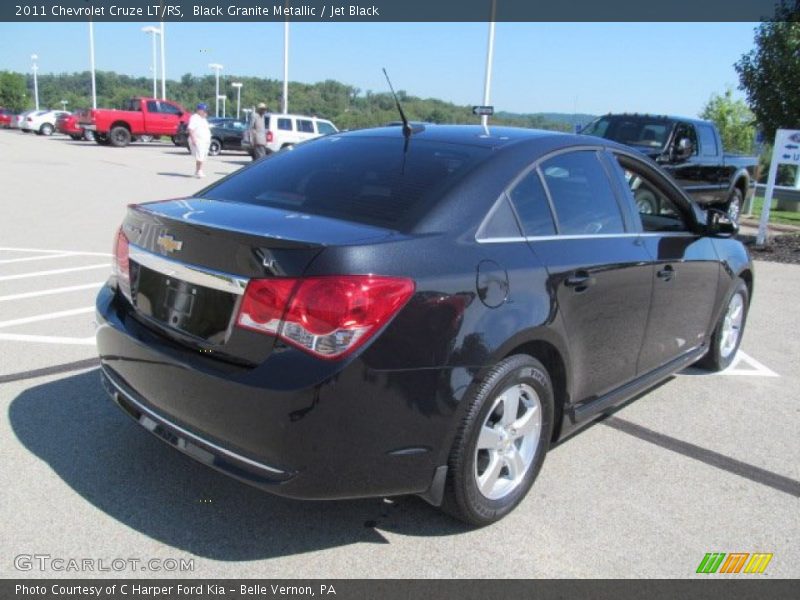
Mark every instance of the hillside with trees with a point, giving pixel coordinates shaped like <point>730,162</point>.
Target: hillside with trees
<point>347,106</point>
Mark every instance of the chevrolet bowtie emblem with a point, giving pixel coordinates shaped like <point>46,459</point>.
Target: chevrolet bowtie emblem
<point>167,243</point>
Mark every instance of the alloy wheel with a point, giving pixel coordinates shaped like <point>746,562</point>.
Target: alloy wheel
<point>507,441</point>
<point>732,326</point>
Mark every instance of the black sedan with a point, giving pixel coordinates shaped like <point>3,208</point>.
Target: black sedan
<point>387,312</point>
<point>226,134</point>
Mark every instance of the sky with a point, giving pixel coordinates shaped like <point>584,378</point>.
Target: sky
<point>538,67</point>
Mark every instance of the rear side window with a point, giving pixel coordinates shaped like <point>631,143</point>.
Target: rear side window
<point>708,141</point>
<point>152,106</point>
<point>305,126</point>
<point>582,196</point>
<point>285,125</point>
<point>361,179</point>
<point>325,128</point>
<point>530,202</point>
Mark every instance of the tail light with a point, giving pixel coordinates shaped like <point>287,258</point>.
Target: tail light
<point>29,119</point>
<point>328,317</point>
<point>121,264</point>
<point>269,137</point>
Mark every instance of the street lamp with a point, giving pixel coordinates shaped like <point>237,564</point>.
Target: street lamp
<point>35,68</point>
<point>224,98</point>
<point>216,67</point>
<point>487,84</point>
<point>64,104</point>
<point>91,63</point>
<point>285,99</point>
<point>153,31</point>
<point>238,87</point>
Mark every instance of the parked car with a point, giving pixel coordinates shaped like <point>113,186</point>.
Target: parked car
<point>5,118</point>
<point>23,124</point>
<point>226,134</point>
<point>284,131</point>
<point>138,117</point>
<point>691,151</point>
<point>377,313</point>
<point>43,122</point>
<point>68,125</point>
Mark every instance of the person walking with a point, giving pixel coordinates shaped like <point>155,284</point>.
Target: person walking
<point>199,138</point>
<point>258,132</point>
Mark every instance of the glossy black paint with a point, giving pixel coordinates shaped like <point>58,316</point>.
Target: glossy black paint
<point>381,421</point>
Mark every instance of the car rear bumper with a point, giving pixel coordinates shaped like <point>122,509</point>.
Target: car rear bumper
<point>352,433</point>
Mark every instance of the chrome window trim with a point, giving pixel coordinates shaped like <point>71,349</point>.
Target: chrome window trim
<point>586,236</point>
<point>192,437</point>
<point>217,280</point>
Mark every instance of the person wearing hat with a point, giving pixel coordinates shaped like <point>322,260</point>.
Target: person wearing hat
<point>199,138</point>
<point>258,132</point>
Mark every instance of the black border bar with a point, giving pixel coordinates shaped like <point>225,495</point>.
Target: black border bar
<point>389,10</point>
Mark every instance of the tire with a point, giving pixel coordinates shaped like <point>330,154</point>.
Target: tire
<point>88,135</point>
<point>646,202</point>
<point>472,493</point>
<point>119,136</point>
<point>733,208</point>
<point>215,147</point>
<point>101,139</point>
<point>75,136</point>
<point>46,129</point>
<point>722,349</point>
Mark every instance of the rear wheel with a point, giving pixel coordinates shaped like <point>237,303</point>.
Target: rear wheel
<point>75,136</point>
<point>119,136</point>
<point>734,206</point>
<point>46,129</point>
<point>727,334</point>
<point>88,135</point>
<point>501,443</point>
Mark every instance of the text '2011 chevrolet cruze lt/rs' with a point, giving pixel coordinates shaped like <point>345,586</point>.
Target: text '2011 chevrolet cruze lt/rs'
<point>413,310</point>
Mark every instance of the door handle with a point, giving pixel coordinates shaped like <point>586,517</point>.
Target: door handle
<point>579,281</point>
<point>666,274</point>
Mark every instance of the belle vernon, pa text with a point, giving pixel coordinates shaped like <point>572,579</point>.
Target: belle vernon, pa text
<point>163,591</point>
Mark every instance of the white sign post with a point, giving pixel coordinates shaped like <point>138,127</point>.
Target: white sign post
<point>785,152</point>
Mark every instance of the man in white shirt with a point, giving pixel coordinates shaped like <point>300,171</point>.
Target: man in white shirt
<point>199,138</point>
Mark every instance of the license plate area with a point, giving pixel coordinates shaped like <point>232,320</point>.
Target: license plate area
<point>194,309</point>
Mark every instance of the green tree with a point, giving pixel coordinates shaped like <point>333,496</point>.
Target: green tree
<point>733,119</point>
<point>770,73</point>
<point>12,90</point>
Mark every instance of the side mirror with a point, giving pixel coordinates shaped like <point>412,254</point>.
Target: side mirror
<point>718,224</point>
<point>683,148</point>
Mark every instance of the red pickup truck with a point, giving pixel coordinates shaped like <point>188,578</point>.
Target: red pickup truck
<point>138,117</point>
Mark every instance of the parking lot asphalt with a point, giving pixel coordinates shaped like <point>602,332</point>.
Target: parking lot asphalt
<point>703,463</point>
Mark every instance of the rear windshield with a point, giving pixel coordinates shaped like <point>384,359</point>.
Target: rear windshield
<point>361,179</point>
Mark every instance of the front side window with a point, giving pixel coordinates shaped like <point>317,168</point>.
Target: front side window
<point>305,126</point>
<point>582,196</point>
<point>708,141</point>
<point>285,125</point>
<point>657,210</point>
<point>530,201</point>
<point>152,106</point>
<point>169,109</point>
<point>325,128</point>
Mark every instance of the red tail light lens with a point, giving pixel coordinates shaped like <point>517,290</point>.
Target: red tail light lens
<point>269,137</point>
<point>121,264</point>
<point>328,317</point>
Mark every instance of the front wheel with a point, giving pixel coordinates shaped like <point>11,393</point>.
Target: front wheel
<point>215,147</point>
<point>727,335</point>
<point>501,443</point>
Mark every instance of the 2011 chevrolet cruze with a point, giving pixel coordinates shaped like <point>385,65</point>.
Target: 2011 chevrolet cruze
<point>391,311</point>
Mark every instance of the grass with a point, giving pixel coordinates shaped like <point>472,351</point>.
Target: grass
<point>775,216</point>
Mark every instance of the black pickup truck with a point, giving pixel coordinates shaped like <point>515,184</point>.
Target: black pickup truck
<point>691,151</point>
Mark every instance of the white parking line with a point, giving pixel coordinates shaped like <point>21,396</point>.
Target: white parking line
<point>47,339</point>
<point>756,368</point>
<point>55,272</point>
<point>29,258</point>
<point>47,316</point>
<point>72,288</point>
<point>72,252</point>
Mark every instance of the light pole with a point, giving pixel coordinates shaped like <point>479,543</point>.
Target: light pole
<point>35,68</point>
<point>285,101</point>
<point>163,65</point>
<point>238,87</point>
<point>224,98</point>
<point>64,104</point>
<point>153,31</point>
<point>216,67</point>
<point>91,63</point>
<point>487,84</point>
